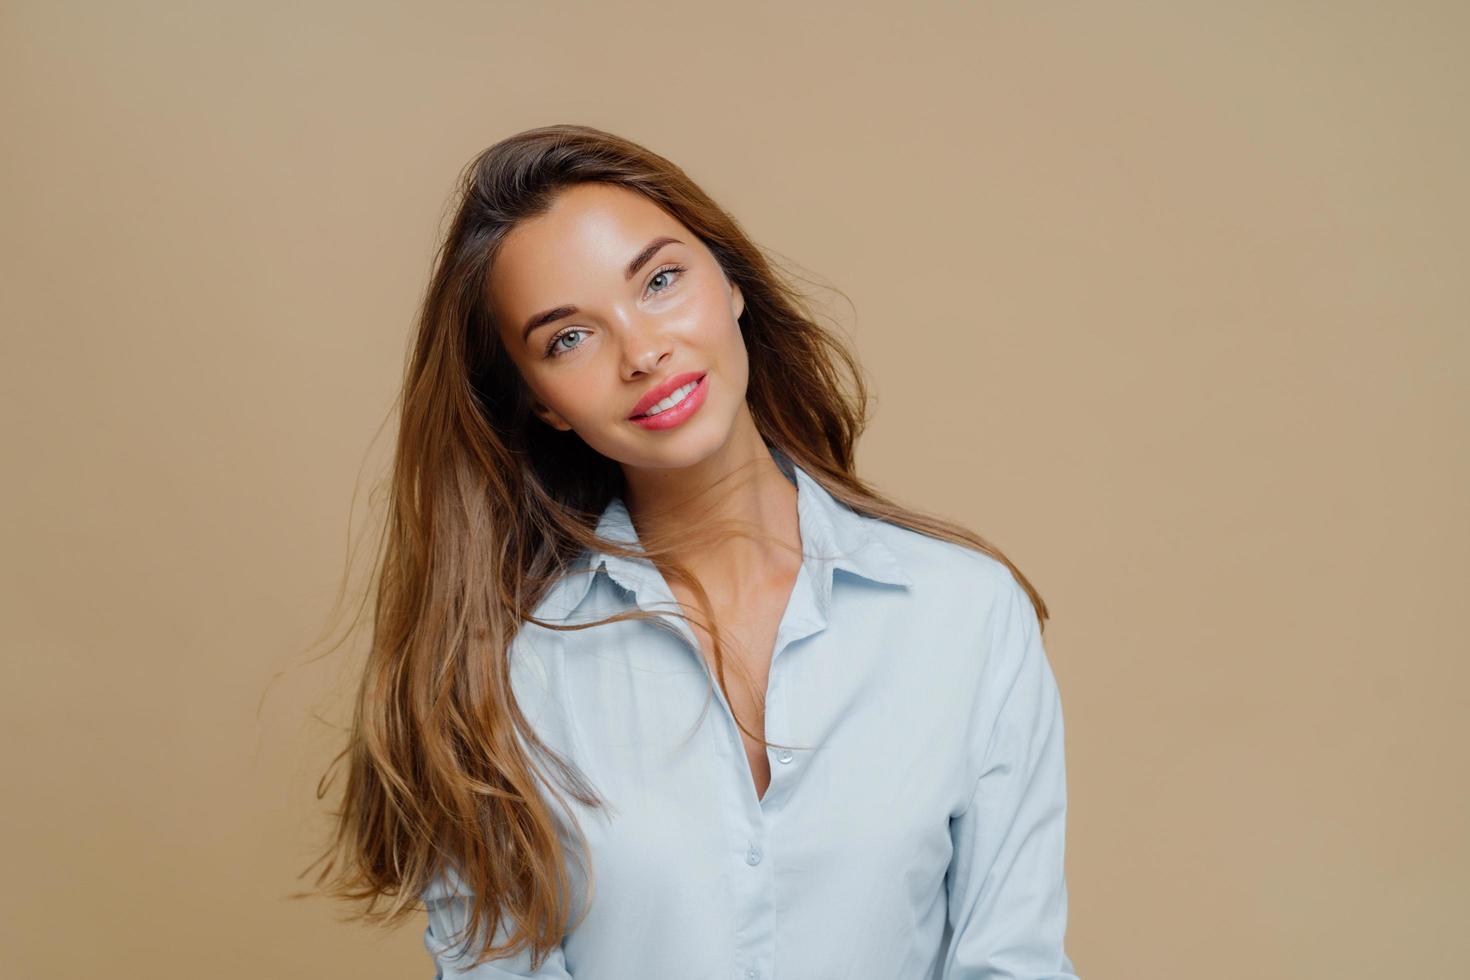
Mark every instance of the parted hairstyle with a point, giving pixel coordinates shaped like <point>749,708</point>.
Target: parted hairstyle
<point>488,507</point>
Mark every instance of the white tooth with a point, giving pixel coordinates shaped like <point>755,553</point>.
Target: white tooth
<point>672,400</point>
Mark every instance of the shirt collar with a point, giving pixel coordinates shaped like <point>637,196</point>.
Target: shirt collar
<point>833,536</point>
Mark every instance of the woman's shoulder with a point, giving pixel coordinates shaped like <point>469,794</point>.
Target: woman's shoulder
<point>945,568</point>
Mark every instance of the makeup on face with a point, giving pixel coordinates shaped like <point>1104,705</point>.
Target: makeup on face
<point>677,406</point>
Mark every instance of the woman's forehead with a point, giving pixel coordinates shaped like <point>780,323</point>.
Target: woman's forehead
<point>587,238</point>
<point>591,218</point>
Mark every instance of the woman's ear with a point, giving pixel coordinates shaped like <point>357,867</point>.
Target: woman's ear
<point>737,301</point>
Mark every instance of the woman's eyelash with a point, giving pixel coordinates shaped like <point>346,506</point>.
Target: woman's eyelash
<point>661,271</point>
<point>551,349</point>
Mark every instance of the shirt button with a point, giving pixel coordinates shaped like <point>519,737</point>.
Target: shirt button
<point>753,856</point>
<point>784,755</point>
<point>751,974</point>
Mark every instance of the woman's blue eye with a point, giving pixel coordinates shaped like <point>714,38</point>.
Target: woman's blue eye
<point>552,350</point>
<point>666,270</point>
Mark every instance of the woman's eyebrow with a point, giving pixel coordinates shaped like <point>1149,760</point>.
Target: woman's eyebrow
<point>642,257</point>
<point>562,312</point>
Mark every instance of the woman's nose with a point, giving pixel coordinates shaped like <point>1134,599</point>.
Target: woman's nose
<point>645,345</point>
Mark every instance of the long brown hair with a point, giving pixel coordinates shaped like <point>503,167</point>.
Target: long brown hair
<point>488,508</point>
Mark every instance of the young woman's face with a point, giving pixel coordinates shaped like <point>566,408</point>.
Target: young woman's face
<point>604,333</point>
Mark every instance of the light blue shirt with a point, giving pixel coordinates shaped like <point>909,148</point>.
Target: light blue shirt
<point>915,829</point>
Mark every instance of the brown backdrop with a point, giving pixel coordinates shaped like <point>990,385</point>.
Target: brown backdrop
<point>1169,300</point>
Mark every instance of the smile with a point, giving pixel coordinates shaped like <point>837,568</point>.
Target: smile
<point>681,403</point>
<point>678,396</point>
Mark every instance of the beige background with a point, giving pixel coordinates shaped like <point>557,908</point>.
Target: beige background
<point>1169,300</point>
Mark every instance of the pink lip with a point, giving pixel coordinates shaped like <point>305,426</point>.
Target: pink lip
<point>659,392</point>
<point>680,412</point>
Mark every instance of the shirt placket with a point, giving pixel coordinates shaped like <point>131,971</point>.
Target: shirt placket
<point>752,825</point>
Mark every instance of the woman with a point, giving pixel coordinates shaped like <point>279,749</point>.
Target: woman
<point>625,493</point>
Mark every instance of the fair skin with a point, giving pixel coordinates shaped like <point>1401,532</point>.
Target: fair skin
<point>585,370</point>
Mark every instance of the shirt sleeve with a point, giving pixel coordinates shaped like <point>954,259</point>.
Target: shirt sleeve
<point>1007,890</point>
<point>448,903</point>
